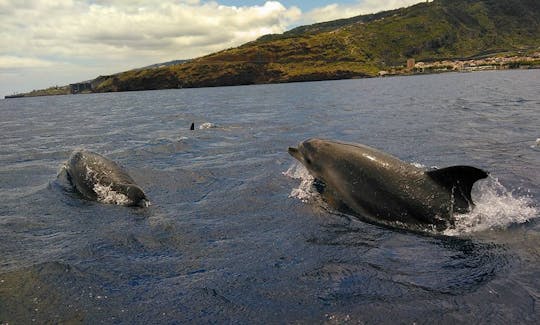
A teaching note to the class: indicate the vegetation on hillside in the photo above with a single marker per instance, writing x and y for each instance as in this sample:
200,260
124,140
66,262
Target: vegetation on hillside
355,47
51,91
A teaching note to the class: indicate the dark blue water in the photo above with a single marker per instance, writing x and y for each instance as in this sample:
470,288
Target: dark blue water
235,234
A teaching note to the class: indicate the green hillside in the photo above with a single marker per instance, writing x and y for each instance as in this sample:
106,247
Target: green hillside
355,47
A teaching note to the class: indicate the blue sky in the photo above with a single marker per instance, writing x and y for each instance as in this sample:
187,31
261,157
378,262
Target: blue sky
57,42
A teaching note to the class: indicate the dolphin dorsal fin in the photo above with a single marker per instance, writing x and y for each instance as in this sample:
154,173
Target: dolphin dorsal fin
458,179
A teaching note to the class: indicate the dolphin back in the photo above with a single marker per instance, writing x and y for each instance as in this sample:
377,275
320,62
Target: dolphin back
459,181
99,178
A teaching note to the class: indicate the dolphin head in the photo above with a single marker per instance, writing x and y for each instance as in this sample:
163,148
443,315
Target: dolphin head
312,153
136,195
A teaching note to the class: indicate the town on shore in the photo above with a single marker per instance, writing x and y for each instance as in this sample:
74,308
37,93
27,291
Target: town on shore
469,65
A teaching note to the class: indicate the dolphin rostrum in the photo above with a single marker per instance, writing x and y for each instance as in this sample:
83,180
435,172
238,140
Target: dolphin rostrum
381,188
101,179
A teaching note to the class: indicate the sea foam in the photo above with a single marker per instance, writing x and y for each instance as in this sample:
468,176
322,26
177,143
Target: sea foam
305,191
106,194
496,207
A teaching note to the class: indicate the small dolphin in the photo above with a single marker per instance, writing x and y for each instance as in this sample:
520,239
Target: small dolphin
381,188
101,179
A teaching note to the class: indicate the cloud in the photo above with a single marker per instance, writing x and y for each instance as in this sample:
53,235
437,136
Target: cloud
11,62
362,7
69,29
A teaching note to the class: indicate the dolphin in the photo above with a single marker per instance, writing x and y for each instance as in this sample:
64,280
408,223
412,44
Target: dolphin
364,181
101,179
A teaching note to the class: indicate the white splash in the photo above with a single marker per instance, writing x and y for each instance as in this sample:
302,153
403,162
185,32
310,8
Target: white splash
419,165
106,194
207,125
496,208
305,191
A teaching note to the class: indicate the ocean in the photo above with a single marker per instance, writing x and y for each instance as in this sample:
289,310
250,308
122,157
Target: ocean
236,233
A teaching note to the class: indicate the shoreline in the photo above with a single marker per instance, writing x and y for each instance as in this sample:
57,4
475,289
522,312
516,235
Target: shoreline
413,68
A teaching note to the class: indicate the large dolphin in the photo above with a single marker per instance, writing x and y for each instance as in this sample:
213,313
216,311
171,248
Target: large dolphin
365,181
101,179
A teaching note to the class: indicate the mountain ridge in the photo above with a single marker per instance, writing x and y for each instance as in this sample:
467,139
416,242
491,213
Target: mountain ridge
355,47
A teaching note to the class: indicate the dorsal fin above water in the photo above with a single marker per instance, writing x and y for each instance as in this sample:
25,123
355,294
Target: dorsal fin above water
458,179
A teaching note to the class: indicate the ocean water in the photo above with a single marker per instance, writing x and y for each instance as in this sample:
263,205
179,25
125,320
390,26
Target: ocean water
236,233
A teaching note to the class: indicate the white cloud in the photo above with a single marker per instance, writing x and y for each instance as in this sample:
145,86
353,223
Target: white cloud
361,7
8,62
149,30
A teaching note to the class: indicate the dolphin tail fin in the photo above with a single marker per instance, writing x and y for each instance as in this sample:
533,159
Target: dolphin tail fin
459,180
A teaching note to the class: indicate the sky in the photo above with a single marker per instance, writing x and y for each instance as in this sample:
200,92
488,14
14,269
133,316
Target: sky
45,43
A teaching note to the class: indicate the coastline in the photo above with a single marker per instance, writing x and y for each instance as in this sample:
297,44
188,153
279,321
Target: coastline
410,68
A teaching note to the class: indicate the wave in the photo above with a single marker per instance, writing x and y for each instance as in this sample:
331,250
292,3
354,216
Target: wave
496,208
305,192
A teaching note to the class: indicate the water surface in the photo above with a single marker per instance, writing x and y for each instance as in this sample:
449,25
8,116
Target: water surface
235,233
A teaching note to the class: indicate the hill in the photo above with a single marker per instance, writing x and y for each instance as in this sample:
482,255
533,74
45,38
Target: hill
355,47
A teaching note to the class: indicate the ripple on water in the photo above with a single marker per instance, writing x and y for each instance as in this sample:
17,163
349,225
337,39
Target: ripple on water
388,266
224,242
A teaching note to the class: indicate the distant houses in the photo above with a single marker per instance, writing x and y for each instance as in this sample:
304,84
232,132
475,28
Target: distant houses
410,64
531,61
80,87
